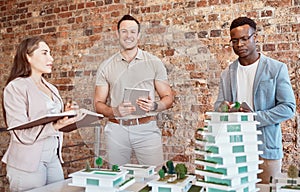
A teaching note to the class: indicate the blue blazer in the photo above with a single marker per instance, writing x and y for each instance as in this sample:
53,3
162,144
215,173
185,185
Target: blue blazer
274,100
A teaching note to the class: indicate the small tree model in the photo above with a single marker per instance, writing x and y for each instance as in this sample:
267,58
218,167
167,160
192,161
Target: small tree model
161,173
181,170
87,166
115,168
233,107
170,166
292,172
99,162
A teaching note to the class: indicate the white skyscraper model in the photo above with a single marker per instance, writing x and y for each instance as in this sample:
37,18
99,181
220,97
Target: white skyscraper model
228,151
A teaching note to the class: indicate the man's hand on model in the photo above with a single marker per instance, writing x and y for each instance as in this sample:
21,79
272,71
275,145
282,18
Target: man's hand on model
227,106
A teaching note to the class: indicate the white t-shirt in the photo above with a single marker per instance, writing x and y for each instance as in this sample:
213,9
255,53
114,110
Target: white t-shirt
245,80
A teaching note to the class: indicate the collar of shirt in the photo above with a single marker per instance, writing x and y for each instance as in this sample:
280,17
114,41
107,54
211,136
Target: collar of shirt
139,56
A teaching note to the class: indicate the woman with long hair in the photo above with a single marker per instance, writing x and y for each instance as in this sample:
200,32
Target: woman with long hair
33,157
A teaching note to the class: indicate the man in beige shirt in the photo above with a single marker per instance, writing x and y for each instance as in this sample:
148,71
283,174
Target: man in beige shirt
132,68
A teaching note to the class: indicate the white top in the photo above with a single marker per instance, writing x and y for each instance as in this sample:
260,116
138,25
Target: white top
245,80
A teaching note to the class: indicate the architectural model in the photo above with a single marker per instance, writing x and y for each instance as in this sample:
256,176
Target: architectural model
285,184
99,180
172,179
139,171
228,152
166,186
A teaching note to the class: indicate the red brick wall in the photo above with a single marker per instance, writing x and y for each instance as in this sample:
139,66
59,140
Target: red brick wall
191,37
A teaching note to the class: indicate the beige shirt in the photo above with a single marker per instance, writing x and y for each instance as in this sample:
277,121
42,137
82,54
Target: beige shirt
23,101
140,73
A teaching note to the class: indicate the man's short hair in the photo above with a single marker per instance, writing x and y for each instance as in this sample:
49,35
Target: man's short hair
129,17
242,21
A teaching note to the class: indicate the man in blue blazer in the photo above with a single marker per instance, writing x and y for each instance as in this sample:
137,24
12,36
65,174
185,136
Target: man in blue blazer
264,84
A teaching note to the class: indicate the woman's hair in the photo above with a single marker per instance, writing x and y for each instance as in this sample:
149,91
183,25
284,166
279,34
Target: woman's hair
21,67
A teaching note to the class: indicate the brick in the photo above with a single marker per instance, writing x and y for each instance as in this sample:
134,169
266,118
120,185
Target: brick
49,30
29,15
21,22
169,52
115,14
225,2
283,46
213,17
166,7
79,19
23,16
22,10
71,20
90,4
115,7
56,10
49,24
267,13
213,2
101,3
191,4
27,27
41,24
278,3
9,30
107,2
145,9
268,47
215,33
35,32
190,35
64,9
49,17
49,11
190,67
202,3
72,7
155,8
64,15
296,27
202,34
197,75
80,6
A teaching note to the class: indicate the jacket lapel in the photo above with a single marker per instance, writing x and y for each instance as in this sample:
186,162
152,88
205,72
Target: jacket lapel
233,79
259,73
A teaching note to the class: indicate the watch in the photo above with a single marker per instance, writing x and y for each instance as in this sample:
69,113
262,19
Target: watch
155,106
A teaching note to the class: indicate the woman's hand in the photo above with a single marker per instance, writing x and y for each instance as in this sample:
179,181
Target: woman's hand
64,122
71,105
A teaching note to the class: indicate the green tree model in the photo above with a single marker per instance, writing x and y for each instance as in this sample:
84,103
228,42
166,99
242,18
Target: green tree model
292,172
99,162
170,166
181,170
161,173
232,107
115,168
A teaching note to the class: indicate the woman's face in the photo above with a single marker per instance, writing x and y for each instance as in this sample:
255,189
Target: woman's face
41,60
